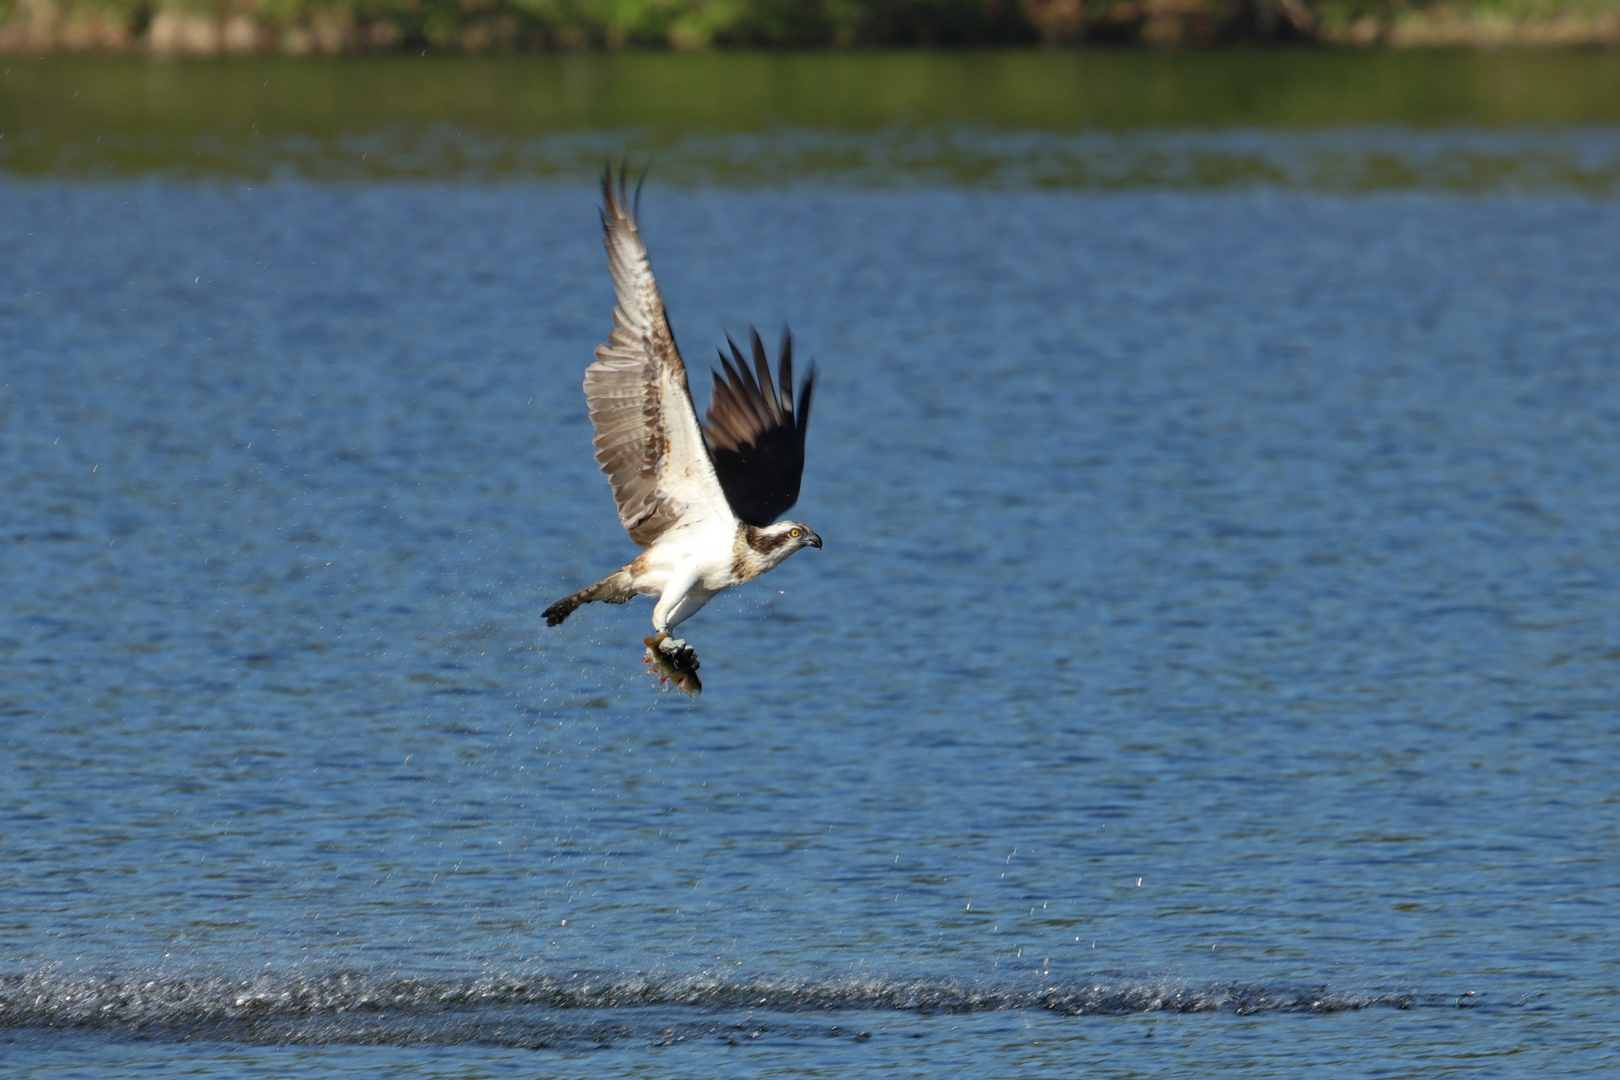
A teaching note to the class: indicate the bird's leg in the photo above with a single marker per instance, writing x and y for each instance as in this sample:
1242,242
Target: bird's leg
673,659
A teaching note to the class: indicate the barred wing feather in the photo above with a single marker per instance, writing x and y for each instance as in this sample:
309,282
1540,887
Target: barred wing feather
648,441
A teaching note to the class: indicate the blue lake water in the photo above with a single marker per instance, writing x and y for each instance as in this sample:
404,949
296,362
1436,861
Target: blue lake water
1210,669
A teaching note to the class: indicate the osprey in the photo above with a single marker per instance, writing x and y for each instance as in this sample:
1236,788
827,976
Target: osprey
700,497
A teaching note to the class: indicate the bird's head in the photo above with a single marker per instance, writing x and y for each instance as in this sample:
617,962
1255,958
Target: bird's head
777,542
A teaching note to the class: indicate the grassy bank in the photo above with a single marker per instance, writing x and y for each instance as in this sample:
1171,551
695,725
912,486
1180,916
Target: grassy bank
210,27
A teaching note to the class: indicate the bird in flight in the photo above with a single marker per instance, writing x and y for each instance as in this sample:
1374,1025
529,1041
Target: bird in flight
701,497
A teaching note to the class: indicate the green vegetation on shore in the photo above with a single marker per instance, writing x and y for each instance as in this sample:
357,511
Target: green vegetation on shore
1082,119
209,27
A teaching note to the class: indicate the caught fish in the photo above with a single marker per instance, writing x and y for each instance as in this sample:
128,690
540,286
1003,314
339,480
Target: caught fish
673,660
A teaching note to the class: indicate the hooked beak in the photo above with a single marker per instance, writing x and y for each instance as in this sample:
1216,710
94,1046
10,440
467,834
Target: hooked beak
811,539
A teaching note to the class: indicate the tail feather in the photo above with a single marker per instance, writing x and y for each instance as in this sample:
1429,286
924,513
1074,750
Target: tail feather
563,608
613,589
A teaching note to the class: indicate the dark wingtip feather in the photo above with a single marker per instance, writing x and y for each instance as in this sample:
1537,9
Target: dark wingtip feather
768,396
784,372
616,191
805,393
744,377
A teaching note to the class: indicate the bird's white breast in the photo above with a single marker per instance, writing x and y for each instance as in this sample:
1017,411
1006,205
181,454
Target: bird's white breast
698,551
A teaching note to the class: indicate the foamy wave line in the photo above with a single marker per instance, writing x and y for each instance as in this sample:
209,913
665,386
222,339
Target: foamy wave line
52,998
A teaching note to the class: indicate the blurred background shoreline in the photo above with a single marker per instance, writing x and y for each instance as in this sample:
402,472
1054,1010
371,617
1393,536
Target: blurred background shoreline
1514,121
301,27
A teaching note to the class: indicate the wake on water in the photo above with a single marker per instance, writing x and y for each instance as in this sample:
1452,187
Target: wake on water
582,1008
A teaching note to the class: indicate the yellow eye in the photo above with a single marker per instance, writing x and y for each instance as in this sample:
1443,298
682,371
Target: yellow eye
795,533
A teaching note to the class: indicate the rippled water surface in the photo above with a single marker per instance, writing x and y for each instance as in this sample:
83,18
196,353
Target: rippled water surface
1210,669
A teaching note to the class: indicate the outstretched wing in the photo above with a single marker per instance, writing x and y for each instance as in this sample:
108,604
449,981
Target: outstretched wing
755,433
648,441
